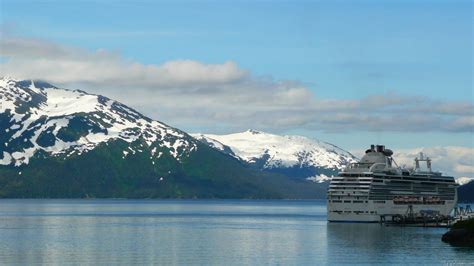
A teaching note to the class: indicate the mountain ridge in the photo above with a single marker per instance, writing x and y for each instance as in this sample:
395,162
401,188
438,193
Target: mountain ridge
62,143
294,156
466,192
55,110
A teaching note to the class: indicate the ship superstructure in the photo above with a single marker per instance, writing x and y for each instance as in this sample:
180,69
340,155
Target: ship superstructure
377,186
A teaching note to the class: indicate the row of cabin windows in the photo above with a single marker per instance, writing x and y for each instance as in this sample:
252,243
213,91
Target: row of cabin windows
398,177
352,179
437,180
356,212
356,197
347,182
356,175
348,188
355,201
348,201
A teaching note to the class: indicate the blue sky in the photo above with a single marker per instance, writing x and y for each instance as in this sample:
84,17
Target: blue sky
336,49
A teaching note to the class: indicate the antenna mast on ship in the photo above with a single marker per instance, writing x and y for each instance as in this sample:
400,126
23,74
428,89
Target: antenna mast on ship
422,159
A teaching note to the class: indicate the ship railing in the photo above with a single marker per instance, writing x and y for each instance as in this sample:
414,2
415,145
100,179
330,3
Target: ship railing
356,173
357,166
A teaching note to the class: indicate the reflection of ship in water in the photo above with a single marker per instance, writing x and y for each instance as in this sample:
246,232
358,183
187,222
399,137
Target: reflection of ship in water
370,243
376,186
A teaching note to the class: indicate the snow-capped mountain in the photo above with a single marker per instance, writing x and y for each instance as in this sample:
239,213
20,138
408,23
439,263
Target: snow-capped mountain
36,116
463,180
274,152
67,143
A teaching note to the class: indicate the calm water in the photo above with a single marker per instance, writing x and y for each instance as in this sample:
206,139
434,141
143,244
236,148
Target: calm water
206,233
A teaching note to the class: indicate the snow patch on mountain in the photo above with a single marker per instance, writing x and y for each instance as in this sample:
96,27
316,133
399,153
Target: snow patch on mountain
464,180
280,151
65,102
320,178
6,160
209,141
215,144
40,116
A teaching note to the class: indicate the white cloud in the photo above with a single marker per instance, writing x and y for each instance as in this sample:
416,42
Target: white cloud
454,160
462,168
38,59
195,95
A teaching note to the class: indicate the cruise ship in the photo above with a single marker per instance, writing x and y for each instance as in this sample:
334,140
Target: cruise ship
376,186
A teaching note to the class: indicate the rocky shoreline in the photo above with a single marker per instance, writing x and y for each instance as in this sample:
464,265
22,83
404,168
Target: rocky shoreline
461,234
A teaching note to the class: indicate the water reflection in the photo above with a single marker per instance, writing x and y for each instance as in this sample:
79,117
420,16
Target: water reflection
203,232
380,244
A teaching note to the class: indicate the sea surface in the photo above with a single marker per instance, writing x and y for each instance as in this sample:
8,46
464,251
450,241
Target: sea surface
207,232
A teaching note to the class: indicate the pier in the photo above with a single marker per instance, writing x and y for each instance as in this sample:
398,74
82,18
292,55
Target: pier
463,213
427,218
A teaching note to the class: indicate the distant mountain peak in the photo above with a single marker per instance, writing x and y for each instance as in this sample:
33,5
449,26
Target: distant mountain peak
276,152
464,180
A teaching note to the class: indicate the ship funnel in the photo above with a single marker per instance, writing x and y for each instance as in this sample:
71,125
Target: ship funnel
372,149
388,152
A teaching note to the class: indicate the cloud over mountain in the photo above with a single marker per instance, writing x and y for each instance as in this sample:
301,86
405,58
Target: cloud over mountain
40,59
196,95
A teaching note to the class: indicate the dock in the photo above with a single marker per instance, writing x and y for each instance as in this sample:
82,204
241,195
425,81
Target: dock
427,218
463,213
